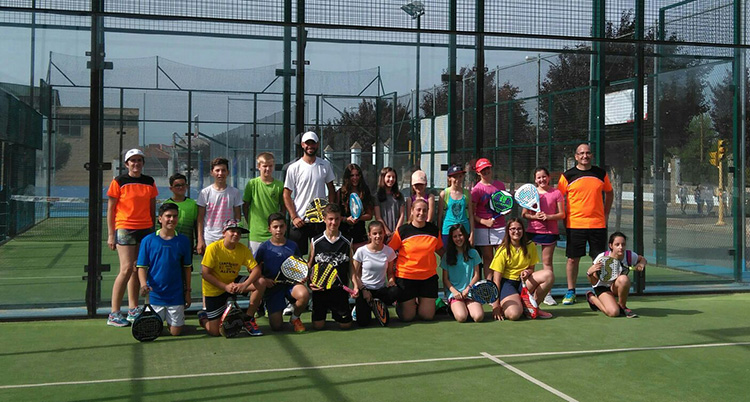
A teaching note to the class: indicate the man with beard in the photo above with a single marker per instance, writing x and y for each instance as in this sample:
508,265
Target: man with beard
308,178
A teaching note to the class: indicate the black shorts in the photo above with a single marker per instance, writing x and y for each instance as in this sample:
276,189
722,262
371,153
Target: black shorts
602,289
412,288
578,238
215,305
336,300
302,236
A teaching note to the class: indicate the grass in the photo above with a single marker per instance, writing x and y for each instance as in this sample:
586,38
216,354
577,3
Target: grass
286,366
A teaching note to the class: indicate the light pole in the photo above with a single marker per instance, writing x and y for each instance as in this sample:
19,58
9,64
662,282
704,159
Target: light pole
538,59
415,9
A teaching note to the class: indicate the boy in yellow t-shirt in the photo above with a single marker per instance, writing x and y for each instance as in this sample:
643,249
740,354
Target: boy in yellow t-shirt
221,266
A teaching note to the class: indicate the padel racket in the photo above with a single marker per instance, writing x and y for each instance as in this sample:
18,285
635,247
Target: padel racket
528,197
148,325
355,205
232,322
293,270
314,211
484,292
380,311
325,276
501,203
530,306
611,269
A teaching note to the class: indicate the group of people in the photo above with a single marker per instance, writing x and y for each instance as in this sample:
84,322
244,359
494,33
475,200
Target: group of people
390,251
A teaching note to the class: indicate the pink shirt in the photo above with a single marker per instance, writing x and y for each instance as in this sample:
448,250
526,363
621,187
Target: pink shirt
480,196
548,204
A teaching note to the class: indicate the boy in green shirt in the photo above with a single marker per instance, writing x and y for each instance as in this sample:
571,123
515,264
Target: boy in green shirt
187,221
263,196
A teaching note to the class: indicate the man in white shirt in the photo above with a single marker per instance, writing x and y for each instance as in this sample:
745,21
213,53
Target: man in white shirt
308,178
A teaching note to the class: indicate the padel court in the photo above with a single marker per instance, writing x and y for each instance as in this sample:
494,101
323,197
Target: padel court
681,348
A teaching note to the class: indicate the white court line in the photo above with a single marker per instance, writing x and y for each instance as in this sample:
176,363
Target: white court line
529,378
365,364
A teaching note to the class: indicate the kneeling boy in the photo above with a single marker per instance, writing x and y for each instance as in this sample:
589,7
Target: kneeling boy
220,269
270,255
165,260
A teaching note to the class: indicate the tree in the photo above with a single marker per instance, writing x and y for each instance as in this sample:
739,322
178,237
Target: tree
62,152
508,115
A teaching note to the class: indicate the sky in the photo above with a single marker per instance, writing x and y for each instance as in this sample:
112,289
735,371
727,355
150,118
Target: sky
397,63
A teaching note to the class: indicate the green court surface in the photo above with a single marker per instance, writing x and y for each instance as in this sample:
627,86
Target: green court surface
50,273
682,348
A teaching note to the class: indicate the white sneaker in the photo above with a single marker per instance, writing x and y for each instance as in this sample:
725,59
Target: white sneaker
288,310
549,300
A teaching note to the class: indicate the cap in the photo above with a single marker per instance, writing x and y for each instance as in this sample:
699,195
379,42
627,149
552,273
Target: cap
481,164
133,152
233,224
419,177
455,169
309,136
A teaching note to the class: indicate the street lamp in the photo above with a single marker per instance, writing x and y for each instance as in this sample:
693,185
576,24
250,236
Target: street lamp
538,59
415,9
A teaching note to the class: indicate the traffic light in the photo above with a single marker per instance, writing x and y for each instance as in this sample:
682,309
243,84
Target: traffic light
721,149
712,158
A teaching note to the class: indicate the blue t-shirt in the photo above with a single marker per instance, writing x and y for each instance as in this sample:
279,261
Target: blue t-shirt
461,273
165,260
271,256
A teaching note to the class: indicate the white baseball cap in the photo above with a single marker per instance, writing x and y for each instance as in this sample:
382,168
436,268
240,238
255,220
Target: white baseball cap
133,152
309,136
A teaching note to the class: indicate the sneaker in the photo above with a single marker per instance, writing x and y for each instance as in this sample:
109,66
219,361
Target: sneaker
202,318
298,326
116,319
570,298
628,313
252,328
133,313
549,300
288,310
354,314
543,314
261,310
592,306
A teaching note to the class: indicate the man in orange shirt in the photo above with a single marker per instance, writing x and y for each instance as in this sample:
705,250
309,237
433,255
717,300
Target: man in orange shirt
586,213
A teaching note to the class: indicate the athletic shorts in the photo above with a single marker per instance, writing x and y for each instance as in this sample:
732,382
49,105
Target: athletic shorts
578,238
131,237
172,315
336,300
543,239
215,305
488,236
602,289
509,287
412,288
277,297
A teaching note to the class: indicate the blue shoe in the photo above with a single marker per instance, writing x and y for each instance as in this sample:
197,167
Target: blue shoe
252,328
570,298
133,313
116,319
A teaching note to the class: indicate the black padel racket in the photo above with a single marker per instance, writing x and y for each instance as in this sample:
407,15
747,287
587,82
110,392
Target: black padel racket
232,321
148,325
